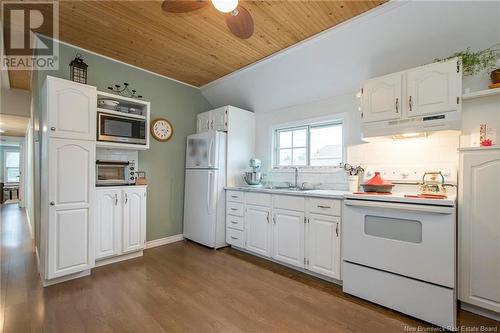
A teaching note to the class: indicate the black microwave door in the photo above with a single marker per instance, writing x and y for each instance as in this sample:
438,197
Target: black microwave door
113,128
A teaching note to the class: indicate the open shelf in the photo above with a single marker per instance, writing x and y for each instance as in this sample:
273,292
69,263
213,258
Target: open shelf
481,93
119,113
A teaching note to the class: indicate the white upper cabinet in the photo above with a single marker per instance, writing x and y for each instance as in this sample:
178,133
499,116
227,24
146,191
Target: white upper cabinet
288,236
382,98
219,119
434,88
70,197
215,120
134,219
323,239
108,222
479,229
258,231
71,109
203,122
422,91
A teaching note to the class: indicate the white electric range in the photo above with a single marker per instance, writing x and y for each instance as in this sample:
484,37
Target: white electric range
400,252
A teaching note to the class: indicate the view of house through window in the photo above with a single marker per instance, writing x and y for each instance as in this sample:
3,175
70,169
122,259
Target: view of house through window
11,170
309,145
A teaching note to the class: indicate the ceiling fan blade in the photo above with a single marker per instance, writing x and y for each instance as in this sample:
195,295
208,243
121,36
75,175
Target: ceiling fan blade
182,6
240,23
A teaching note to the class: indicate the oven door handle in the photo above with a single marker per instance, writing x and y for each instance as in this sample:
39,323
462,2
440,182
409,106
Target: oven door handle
400,206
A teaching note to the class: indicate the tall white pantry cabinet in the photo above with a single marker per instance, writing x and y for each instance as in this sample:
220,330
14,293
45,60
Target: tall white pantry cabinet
68,116
479,229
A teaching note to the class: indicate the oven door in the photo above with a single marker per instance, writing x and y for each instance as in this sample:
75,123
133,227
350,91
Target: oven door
412,240
115,128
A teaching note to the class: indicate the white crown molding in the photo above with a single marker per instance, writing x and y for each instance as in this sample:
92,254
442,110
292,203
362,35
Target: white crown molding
368,15
164,241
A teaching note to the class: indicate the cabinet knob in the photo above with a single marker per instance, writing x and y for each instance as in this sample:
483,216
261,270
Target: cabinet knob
52,203
52,128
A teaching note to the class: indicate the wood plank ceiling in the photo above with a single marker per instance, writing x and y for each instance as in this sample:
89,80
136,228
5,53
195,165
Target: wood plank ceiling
195,47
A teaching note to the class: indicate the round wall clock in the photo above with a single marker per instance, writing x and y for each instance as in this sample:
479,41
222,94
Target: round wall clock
161,129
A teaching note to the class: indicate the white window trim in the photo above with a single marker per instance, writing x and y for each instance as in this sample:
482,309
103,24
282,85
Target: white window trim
5,179
339,117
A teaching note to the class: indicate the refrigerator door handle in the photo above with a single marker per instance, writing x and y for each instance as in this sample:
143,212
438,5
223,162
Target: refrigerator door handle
210,150
209,193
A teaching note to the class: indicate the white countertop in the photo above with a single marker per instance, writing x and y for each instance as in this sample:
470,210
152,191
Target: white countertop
311,193
332,194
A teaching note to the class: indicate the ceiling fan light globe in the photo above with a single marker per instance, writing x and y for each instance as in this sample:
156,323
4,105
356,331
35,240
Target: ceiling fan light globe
225,6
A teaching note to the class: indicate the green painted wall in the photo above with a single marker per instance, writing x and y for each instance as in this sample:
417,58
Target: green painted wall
163,162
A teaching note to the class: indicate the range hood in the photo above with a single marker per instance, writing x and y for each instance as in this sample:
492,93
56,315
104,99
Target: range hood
432,123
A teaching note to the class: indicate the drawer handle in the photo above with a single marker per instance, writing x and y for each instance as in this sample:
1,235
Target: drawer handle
232,237
234,208
234,222
234,196
321,206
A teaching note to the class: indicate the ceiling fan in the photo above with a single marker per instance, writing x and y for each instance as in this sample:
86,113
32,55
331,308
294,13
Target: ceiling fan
238,19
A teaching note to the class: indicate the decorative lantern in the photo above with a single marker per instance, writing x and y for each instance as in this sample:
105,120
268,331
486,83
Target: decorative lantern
78,70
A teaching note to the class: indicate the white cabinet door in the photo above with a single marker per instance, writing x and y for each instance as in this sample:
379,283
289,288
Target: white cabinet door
71,110
71,168
323,245
433,89
382,97
108,222
288,237
134,219
203,122
479,222
258,230
218,121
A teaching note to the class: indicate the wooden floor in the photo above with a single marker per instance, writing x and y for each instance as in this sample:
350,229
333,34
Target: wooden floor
181,287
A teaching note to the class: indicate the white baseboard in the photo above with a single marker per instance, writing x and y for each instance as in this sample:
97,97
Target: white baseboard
112,260
29,223
50,282
480,311
164,241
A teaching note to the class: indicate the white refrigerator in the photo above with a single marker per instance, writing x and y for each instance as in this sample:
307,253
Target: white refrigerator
204,204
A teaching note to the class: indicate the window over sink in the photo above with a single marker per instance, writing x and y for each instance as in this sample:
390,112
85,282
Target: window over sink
310,145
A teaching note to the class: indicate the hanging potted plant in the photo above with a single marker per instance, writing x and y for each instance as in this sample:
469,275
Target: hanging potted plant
478,62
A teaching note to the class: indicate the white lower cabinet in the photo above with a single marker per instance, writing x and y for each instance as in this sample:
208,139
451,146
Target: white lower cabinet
108,226
288,237
285,229
258,229
120,221
323,240
134,219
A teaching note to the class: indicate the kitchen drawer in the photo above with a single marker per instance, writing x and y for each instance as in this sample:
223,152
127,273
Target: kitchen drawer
235,237
419,299
259,199
235,196
289,202
235,208
235,222
324,206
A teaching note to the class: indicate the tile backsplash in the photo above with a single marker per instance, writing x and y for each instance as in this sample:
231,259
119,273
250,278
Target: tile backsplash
405,159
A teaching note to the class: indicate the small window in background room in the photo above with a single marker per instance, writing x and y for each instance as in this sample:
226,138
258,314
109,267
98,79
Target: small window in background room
11,170
309,145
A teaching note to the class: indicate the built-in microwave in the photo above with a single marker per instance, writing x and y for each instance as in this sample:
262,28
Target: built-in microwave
121,128
109,173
